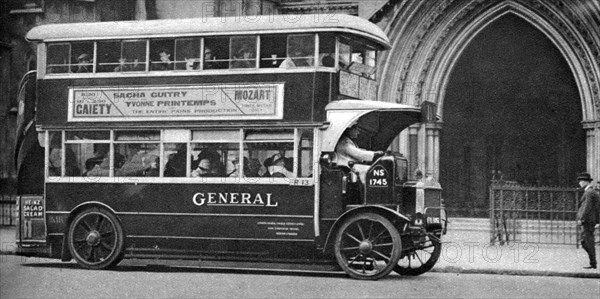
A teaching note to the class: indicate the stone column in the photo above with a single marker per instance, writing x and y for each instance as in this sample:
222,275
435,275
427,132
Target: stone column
432,133
592,134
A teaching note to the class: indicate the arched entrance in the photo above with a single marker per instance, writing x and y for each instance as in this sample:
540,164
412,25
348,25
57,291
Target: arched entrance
511,112
428,40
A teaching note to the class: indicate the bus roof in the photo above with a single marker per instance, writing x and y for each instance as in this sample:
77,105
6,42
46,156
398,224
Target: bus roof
261,24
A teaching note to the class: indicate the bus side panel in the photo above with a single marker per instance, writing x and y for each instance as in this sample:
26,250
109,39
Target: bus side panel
301,91
227,211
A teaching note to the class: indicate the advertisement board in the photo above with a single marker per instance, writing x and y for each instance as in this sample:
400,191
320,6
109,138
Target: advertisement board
183,102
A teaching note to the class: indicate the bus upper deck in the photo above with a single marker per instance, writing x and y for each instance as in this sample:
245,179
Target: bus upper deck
211,69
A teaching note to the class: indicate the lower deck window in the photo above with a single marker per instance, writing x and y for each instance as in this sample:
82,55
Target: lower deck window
238,154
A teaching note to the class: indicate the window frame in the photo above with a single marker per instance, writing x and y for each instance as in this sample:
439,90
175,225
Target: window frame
103,69
188,140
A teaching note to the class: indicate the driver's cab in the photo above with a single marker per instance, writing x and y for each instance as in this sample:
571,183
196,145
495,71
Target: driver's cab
379,123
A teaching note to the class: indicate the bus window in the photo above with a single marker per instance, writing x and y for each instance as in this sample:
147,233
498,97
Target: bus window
55,154
215,153
108,56
187,54
370,57
82,57
161,55
215,159
305,155
219,53
175,157
273,149
243,52
272,50
133,57
327,50
139,152
90,151
125,56
344,54
58,58
300,51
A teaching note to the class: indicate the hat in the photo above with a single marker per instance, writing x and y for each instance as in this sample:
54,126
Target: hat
83,56
584,176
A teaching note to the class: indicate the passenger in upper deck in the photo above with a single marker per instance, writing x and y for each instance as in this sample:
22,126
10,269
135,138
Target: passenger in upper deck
125,66
209,62
84,64
297,59
347,151
164,62
243,59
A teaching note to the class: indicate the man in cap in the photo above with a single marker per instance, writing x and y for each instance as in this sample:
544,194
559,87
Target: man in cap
348,151
83,64
588,216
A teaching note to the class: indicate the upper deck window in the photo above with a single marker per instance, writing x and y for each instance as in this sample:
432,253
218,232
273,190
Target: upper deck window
70,58
161,55
59,56
208,53
187,53
243,52
216,53
300,51
122,56
327,50
357,57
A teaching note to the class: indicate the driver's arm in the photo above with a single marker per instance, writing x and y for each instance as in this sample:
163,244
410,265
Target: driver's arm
348,148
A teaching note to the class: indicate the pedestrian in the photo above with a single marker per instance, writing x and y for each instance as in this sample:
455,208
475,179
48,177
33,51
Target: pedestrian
588,217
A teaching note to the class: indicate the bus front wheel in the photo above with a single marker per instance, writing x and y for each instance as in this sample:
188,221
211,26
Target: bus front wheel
96,239
421,259
367,246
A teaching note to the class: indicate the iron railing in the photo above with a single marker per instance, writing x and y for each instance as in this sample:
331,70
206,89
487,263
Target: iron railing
8,210
543,215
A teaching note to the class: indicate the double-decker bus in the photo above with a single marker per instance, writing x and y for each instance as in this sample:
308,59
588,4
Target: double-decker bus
215,139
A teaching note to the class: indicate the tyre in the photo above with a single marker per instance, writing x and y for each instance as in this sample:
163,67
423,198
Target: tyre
96,239
367,246
422,259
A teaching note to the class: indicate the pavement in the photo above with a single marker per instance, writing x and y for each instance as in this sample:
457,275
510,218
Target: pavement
469,251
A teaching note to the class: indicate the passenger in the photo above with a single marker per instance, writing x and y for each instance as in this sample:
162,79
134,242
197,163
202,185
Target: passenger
214,157
328,60
297,59
252,170
152,170
125,66
84,64
176,164
277,167
165,61
347,151
209,59
204,169
55,164
243,59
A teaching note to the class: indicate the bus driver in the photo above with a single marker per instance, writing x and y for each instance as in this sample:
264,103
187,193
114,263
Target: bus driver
347,151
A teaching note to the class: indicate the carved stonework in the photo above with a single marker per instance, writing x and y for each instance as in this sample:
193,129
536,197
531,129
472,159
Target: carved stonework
436,23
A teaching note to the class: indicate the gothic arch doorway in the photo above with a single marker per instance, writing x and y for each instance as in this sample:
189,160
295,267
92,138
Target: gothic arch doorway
512,111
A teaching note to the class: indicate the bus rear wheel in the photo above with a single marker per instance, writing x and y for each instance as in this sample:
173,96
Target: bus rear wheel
367,246
96,239
422,259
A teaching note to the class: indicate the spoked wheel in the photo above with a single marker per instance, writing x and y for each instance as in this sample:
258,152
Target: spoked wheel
96,239
422,259
367,246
